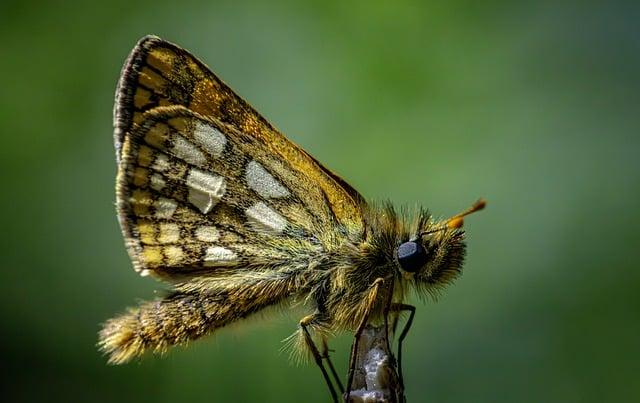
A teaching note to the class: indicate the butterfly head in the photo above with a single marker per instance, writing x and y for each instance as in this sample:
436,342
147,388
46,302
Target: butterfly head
435,255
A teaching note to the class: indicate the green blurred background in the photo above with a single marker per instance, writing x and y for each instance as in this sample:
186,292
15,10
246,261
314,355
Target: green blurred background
533,105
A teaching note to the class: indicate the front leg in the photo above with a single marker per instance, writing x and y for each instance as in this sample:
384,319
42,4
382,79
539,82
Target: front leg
405,330
325,355
305,322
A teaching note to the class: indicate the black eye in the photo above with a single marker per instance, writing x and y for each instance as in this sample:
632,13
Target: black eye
411,256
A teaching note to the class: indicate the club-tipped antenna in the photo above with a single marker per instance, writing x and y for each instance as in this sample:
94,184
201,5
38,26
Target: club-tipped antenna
457,220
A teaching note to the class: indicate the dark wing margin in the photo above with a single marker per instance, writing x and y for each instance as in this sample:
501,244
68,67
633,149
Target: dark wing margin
123,106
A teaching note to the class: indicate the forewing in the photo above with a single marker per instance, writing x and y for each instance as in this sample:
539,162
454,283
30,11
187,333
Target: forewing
158,73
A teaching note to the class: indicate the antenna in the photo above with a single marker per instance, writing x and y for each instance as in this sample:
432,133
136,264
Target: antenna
457,220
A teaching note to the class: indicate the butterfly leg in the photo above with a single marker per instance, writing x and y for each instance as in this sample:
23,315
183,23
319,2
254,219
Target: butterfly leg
325,355
412,311
304,323
371,299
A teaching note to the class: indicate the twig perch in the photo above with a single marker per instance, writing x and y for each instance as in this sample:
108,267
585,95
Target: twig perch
376,375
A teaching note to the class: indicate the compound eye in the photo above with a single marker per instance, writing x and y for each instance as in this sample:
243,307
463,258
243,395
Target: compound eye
411,256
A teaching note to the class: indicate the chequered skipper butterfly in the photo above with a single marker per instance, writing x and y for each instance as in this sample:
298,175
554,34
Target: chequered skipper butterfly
214,200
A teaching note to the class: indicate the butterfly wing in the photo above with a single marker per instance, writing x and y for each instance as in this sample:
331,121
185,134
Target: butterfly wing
206,183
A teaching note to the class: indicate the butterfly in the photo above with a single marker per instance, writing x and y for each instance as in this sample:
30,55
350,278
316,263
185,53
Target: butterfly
217,203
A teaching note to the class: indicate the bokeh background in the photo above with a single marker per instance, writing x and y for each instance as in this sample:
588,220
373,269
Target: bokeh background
534,105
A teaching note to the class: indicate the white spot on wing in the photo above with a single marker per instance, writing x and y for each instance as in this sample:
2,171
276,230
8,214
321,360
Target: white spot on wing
264,218
187,151
169,233
165,207
207,233
161,163
218,256
209,138
263,182
205,189
174,254
157,182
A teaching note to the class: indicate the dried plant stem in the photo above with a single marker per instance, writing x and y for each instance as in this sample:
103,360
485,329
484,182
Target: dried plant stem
376,375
